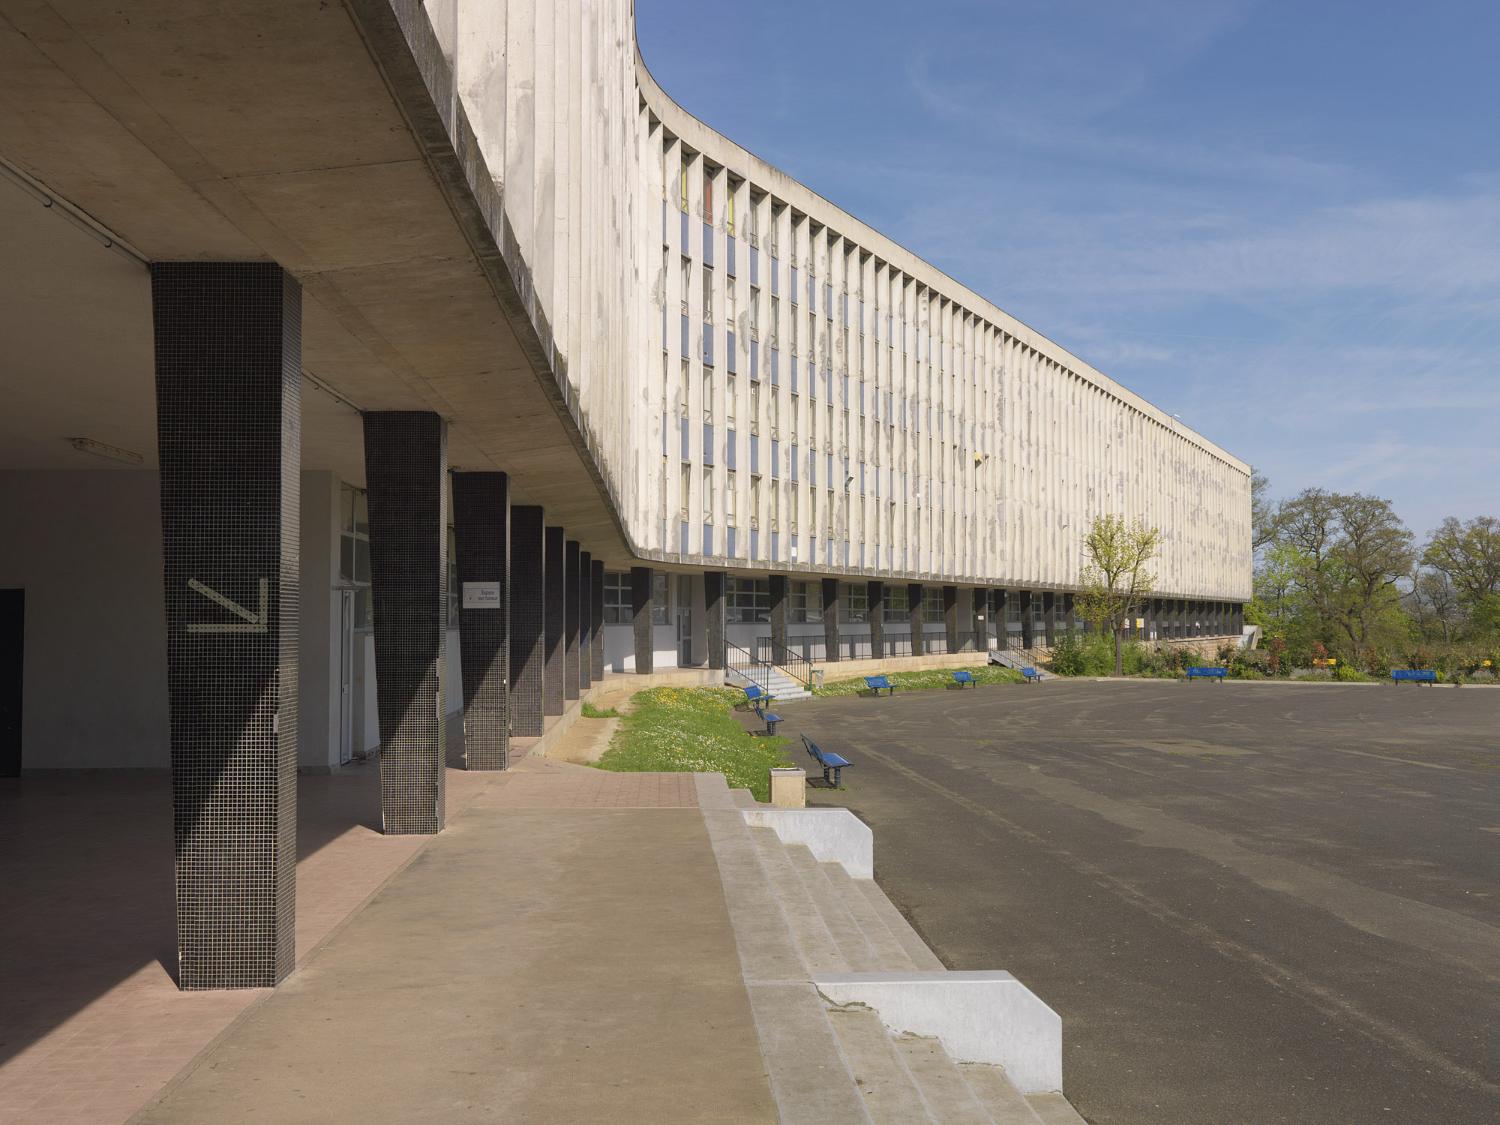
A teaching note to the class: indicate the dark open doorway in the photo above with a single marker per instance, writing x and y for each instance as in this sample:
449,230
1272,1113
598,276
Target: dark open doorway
12,650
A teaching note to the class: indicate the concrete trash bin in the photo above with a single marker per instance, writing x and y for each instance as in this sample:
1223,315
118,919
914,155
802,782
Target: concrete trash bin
789,788
817,677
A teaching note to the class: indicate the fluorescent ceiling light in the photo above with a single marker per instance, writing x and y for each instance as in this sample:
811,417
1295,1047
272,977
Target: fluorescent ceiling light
100,449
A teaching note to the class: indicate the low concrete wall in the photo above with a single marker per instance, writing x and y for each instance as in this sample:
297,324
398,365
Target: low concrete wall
832,835
980,1017
851,669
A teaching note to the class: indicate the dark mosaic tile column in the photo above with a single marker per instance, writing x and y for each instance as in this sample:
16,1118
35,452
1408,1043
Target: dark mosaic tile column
831,606
778,616
979,618
406,472
596,615
950,616
640,609
914,613
1000,615
228,410
875,601
481,531
1070,615
571,619
1237,620
1049,617
585,620
554,642
715,606
1028,626
527,621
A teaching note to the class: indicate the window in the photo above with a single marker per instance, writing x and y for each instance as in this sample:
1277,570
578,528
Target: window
682,192
730,394
932,605
855,602
708,196
708,295
687,488
731,498
897,607
729,220
687,279
354,550
805,602
748,601
708,395
617,598
755,408
660,599
708,495
754,314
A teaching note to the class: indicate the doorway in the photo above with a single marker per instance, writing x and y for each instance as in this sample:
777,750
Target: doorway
12,649
684,620
346,677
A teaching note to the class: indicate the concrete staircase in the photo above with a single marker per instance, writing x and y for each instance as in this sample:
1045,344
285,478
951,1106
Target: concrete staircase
1019,658
799,921
782,686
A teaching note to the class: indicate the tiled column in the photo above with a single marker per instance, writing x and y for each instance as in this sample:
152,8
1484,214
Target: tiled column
875,601
572,619
481,532
950,616
1070,618
714,607
554,640
914,613
406,472
527,621
585,620
640,607
1028,625
831,607
228,408
1237,620
979,613
1000,612
596,634
778,617
1049,618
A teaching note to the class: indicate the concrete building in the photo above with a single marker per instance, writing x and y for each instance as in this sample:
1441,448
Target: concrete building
363,365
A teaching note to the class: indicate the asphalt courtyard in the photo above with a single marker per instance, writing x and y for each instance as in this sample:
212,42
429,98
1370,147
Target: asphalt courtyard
1250,903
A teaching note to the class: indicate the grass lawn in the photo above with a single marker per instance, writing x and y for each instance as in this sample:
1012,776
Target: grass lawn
677,730
929,679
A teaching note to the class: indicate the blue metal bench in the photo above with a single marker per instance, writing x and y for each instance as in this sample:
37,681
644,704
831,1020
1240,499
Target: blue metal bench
879,683
964,676
1031,675
830,762
760,699
1414,675
1217,674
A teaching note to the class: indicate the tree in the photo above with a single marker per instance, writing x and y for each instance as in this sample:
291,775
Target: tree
1435,602
1265,517
1354,549
1116,578
1468,554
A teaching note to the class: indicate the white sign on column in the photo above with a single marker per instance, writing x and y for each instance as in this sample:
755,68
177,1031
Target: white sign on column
481,595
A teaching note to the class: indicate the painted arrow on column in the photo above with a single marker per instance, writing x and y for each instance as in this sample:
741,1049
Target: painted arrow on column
249,623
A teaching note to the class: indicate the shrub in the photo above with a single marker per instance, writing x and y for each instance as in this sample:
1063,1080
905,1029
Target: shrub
1349,674
1094,655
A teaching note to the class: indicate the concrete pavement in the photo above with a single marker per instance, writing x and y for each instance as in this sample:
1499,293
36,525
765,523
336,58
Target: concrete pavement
1248,902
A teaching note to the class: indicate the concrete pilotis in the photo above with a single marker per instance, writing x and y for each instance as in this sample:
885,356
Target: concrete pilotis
1049,617
1028,624
979,612
585,620
715,607
832,604
914,612
640,617
228,412
1000,614
596,614
554,637
778,616
481,533
527,621
406,472
1070,618
572,619
875,603
950,616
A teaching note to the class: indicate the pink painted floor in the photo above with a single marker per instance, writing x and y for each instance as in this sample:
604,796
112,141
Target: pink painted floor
91,1023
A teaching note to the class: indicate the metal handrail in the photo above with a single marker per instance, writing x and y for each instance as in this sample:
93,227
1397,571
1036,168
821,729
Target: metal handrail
795,665
738,660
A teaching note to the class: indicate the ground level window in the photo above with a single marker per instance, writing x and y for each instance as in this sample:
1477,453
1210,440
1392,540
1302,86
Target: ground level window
617,598
856,603
805,603
897,605
932,605
748,601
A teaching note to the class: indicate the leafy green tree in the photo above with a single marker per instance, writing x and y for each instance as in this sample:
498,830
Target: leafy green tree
1468,555
1116,575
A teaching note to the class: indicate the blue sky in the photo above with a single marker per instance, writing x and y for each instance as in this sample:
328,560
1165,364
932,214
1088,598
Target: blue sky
1280,221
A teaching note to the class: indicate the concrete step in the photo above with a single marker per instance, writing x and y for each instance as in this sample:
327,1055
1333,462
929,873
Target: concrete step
921,957
891,1096
743,798
949,1098
847,934
1054,1109
1006,1104
810,933
888,952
